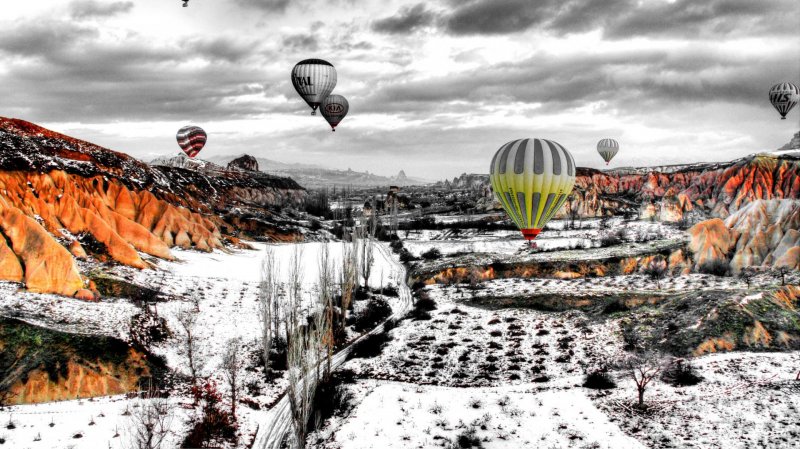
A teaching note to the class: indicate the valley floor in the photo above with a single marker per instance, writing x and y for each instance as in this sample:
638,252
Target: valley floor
485,369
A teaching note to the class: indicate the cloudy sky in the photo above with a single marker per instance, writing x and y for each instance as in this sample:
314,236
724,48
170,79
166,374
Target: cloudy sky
435,87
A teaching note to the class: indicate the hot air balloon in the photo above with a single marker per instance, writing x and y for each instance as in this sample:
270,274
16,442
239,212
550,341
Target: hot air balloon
607,148
334,108
314,79
191,139
532,179
784,96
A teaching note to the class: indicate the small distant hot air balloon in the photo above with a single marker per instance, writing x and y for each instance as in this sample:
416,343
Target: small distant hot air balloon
532,179
314,79
334,108
191,139
607,148
784,96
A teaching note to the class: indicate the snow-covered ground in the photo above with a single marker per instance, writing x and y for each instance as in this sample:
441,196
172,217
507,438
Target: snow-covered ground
97,423
222,284
556,236
593,286
539,359
397,415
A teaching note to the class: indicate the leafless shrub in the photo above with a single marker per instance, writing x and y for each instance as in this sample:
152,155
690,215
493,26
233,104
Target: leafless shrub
149,422
231,365
269,307
188,321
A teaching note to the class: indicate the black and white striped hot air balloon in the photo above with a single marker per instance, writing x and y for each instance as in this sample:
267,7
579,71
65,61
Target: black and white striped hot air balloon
314,80
784,96
191,139
607,148
334,108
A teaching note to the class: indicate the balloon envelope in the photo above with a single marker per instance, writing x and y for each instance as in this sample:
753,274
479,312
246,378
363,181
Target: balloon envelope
334,108
191,139
314,79
607,148
532,179
784,96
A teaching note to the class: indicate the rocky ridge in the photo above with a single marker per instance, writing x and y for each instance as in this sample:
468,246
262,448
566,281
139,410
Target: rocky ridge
62,198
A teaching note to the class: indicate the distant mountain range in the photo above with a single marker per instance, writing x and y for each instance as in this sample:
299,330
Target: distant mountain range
313,176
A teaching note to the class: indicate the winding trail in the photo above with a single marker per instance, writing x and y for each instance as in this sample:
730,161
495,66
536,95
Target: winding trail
277,423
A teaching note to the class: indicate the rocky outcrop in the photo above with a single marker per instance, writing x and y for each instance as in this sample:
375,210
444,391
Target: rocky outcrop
62,198
672,193
245,162
46,365
762,233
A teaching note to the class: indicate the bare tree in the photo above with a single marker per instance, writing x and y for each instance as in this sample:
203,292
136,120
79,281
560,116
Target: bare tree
269,306
367,234
348,280
188,321
326,293
292,307
149,422
231,364
746,275
781,272
306,347
642,368
656,269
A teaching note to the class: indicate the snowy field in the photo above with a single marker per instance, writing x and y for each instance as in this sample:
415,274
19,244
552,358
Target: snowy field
555,237
396,415
219,288
539,359
97,423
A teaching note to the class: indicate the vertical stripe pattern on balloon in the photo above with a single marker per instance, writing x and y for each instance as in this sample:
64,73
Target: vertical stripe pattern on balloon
532,179
784,97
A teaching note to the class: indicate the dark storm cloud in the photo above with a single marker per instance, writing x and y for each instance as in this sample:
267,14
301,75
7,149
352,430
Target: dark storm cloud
84,9
622,18
687,18
42,38
629,80
496,16
265,5
301,42
405,21
75,74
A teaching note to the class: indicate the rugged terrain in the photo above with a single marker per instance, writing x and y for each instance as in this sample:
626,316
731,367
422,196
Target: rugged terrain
63,199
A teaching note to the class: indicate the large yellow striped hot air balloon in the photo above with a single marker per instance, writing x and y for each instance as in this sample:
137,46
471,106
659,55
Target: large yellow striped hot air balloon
532,179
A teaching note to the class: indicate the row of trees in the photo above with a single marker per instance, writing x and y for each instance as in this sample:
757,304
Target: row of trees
311,333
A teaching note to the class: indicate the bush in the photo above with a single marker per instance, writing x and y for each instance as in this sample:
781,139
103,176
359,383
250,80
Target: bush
612,238
216,424
406,256
377,310
422,306
391,290
425,303
370,346
714,267
599,380
681,373
432,254
333,398
396,245
467,439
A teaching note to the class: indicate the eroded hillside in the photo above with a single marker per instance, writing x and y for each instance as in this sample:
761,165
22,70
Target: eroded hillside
63,198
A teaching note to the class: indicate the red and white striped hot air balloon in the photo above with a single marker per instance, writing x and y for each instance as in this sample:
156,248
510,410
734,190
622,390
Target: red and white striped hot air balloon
191,139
